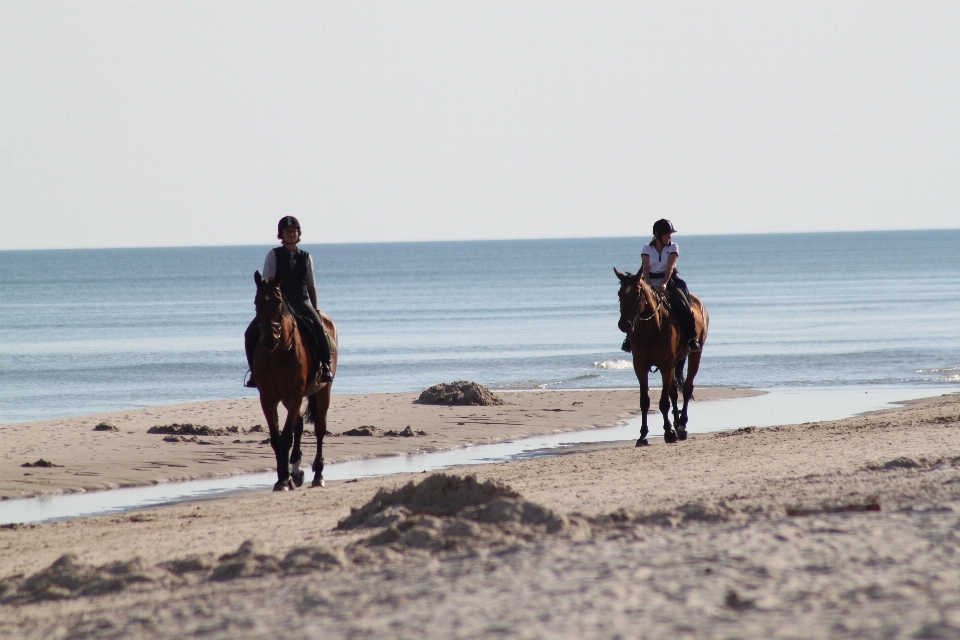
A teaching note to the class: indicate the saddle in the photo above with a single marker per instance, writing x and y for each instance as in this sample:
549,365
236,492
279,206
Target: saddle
312,337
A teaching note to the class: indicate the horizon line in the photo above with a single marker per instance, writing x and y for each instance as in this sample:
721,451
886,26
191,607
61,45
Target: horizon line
541,239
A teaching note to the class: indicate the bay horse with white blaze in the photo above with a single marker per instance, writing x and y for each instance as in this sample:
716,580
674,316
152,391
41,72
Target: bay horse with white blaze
282,366
656,340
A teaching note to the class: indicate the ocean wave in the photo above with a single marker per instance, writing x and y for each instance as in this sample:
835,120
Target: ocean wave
953,378
613,364
942,370
588,376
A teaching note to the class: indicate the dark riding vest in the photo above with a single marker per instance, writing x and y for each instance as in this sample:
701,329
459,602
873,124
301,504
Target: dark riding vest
293,273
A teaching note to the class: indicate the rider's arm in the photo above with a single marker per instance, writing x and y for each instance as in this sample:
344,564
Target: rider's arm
668,272
645,269
311,283
270,265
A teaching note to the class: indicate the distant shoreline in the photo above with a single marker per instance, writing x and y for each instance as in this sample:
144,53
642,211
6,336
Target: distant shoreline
91,460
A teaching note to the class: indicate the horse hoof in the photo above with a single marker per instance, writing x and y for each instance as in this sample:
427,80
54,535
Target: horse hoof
669,437
642,442
681,434
283,485
318,482
297,478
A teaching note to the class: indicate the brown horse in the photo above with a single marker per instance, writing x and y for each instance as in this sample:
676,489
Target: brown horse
281,366
656,341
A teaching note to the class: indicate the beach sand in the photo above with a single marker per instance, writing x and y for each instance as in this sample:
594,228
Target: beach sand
848,528
88,459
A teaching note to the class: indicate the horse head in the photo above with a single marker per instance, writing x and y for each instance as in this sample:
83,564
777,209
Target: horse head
269,304
636,300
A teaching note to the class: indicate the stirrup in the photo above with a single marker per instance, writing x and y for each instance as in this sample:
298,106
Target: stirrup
626,345
693,345
326,375
250,383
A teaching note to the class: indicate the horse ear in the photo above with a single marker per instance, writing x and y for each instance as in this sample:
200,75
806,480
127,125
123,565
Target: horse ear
257,278
620,276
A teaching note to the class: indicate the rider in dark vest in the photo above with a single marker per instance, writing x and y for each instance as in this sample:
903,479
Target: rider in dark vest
299,292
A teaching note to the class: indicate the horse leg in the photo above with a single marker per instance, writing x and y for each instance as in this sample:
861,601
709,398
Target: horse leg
679,417
667,376
688,386
273,423
322,398
674,397
644,403
296,456
282,442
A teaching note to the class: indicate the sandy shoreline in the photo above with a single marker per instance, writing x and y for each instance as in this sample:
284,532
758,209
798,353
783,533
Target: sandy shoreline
846,528
90,460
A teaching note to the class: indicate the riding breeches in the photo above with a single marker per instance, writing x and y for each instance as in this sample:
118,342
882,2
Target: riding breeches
305,312
679,297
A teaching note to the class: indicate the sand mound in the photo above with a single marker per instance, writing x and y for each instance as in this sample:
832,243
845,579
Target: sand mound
106,426
188,429
449,512
41,463
69,578
697,512
459,393
437,495
406,433
363,430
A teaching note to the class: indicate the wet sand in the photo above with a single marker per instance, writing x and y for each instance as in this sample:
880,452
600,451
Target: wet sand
87,459
847,528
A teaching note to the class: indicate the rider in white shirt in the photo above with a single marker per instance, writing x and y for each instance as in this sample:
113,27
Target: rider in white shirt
660,272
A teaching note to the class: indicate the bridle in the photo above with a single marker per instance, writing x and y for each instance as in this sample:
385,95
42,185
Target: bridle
640,304
277,329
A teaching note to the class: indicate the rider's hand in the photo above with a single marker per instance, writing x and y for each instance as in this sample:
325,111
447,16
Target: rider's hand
662,287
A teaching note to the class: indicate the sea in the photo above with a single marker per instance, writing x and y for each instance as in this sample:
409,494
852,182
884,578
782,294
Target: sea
96,330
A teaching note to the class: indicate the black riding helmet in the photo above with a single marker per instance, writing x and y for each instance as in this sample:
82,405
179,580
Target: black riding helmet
286,221
662,226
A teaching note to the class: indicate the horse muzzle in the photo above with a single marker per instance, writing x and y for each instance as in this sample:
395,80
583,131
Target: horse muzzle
270,335
625,325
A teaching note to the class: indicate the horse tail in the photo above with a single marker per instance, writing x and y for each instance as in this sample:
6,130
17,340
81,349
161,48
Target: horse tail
310,415
678,378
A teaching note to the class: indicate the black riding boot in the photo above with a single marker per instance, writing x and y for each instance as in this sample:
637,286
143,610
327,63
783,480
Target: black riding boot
321,347
680,303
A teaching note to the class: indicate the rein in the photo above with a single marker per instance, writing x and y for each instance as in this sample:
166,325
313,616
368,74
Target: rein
653,313
284,310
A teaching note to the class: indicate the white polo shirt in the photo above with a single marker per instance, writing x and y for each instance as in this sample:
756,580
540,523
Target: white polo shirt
270,268
658,260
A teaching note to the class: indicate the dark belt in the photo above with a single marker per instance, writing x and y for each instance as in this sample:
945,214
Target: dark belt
657,275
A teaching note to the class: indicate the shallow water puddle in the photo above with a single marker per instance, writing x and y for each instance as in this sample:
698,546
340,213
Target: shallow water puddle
775,408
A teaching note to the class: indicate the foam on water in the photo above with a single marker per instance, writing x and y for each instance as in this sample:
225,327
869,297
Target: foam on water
614,364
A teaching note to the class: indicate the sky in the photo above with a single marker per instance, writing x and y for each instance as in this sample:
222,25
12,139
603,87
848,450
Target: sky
166,123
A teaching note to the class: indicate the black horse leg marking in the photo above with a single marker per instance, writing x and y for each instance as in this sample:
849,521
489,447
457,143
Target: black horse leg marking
674,401
644,407
668,435
318,461
320,429
281,447
296,456
679,416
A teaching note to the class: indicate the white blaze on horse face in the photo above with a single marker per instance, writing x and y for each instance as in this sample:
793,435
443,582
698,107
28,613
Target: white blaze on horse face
629,289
